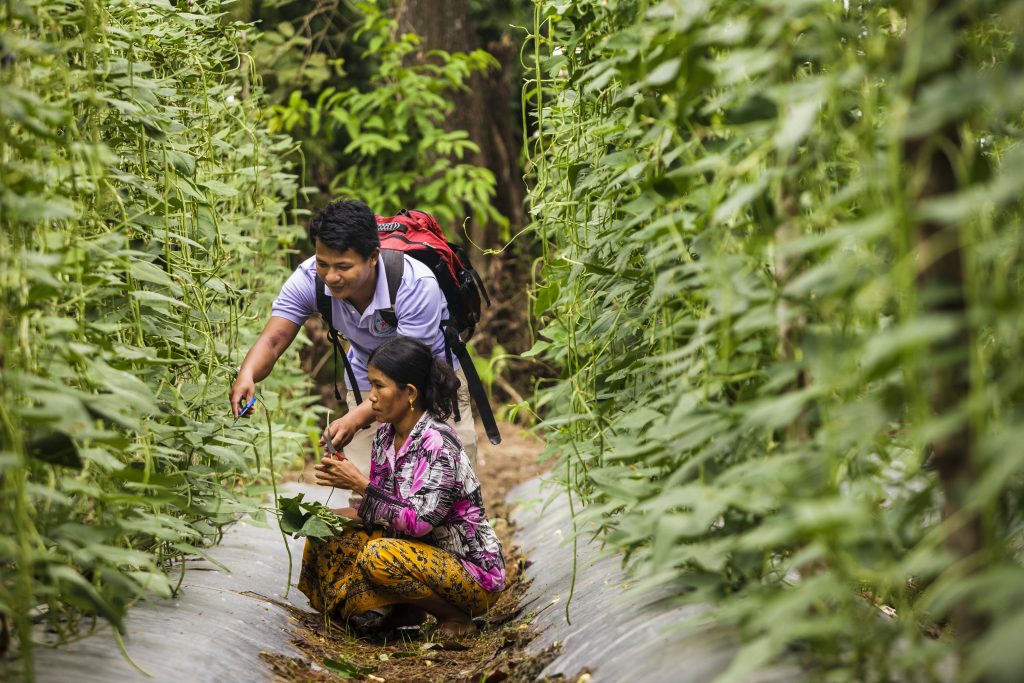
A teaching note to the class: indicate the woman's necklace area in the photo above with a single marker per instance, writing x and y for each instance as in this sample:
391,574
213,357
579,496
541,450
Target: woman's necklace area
403,431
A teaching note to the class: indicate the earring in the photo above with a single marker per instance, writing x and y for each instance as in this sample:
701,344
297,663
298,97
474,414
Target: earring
411,406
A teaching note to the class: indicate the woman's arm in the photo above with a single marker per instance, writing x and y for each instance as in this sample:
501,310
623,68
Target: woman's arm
422,500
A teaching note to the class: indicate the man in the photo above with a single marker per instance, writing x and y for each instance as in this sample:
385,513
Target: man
348,261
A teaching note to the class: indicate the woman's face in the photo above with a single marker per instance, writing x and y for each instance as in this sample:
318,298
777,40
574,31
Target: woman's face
390,403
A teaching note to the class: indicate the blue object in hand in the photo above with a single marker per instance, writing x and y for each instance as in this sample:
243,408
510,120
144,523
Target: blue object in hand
244,410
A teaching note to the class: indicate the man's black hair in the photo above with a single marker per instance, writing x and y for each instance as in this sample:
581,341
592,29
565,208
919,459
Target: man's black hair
346,224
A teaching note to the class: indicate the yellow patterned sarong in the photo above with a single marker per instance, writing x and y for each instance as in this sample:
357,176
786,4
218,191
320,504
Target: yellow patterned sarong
358,571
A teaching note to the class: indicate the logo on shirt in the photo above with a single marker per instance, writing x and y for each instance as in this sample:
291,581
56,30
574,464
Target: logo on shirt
380,328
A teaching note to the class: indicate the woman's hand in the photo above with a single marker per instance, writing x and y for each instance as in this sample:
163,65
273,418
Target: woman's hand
340,473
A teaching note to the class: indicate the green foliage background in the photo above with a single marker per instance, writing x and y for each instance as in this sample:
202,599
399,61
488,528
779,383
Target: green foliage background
145,223
149,199
732,288
370,117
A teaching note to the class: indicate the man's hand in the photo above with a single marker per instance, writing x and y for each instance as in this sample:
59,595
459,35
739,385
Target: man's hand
276,336
241,391
344,428
340,473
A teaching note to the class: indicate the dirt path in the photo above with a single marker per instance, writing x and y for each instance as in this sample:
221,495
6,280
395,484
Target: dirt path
497,653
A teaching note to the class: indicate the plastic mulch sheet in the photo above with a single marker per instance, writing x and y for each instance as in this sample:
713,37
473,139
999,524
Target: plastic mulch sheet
615,634
216,627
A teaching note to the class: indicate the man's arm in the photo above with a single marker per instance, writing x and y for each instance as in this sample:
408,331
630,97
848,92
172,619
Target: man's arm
344,428
275,338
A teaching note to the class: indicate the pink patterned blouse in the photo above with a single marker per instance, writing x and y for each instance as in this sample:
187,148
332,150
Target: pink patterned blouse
428,490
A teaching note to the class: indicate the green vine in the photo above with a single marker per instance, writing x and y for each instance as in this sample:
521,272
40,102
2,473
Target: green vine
742,221
143,217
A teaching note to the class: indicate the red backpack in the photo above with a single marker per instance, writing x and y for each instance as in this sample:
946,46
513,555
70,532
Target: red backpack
417,234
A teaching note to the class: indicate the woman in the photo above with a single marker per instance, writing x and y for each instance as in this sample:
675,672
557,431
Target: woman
427,545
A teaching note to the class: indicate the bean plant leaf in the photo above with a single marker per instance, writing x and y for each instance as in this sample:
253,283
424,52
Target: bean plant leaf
345,669
121,309
785,324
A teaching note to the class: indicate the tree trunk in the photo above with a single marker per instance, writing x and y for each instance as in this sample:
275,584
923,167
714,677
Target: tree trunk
941,286
485,111
791,325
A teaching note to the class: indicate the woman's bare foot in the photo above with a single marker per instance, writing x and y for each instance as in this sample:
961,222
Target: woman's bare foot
455,629
405,615
452,622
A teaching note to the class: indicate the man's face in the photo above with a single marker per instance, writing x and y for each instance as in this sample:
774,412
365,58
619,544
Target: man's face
347,274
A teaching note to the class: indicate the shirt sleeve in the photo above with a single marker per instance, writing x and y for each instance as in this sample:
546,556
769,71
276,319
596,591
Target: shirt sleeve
297,299
423,500
419,307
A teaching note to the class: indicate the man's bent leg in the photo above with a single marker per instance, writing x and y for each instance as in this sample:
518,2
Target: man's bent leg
358,449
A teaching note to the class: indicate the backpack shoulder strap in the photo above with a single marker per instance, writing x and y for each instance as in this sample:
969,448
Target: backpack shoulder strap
453,343
394,268
325,307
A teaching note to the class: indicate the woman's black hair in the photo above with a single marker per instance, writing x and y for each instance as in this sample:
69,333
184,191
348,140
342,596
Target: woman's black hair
409,361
